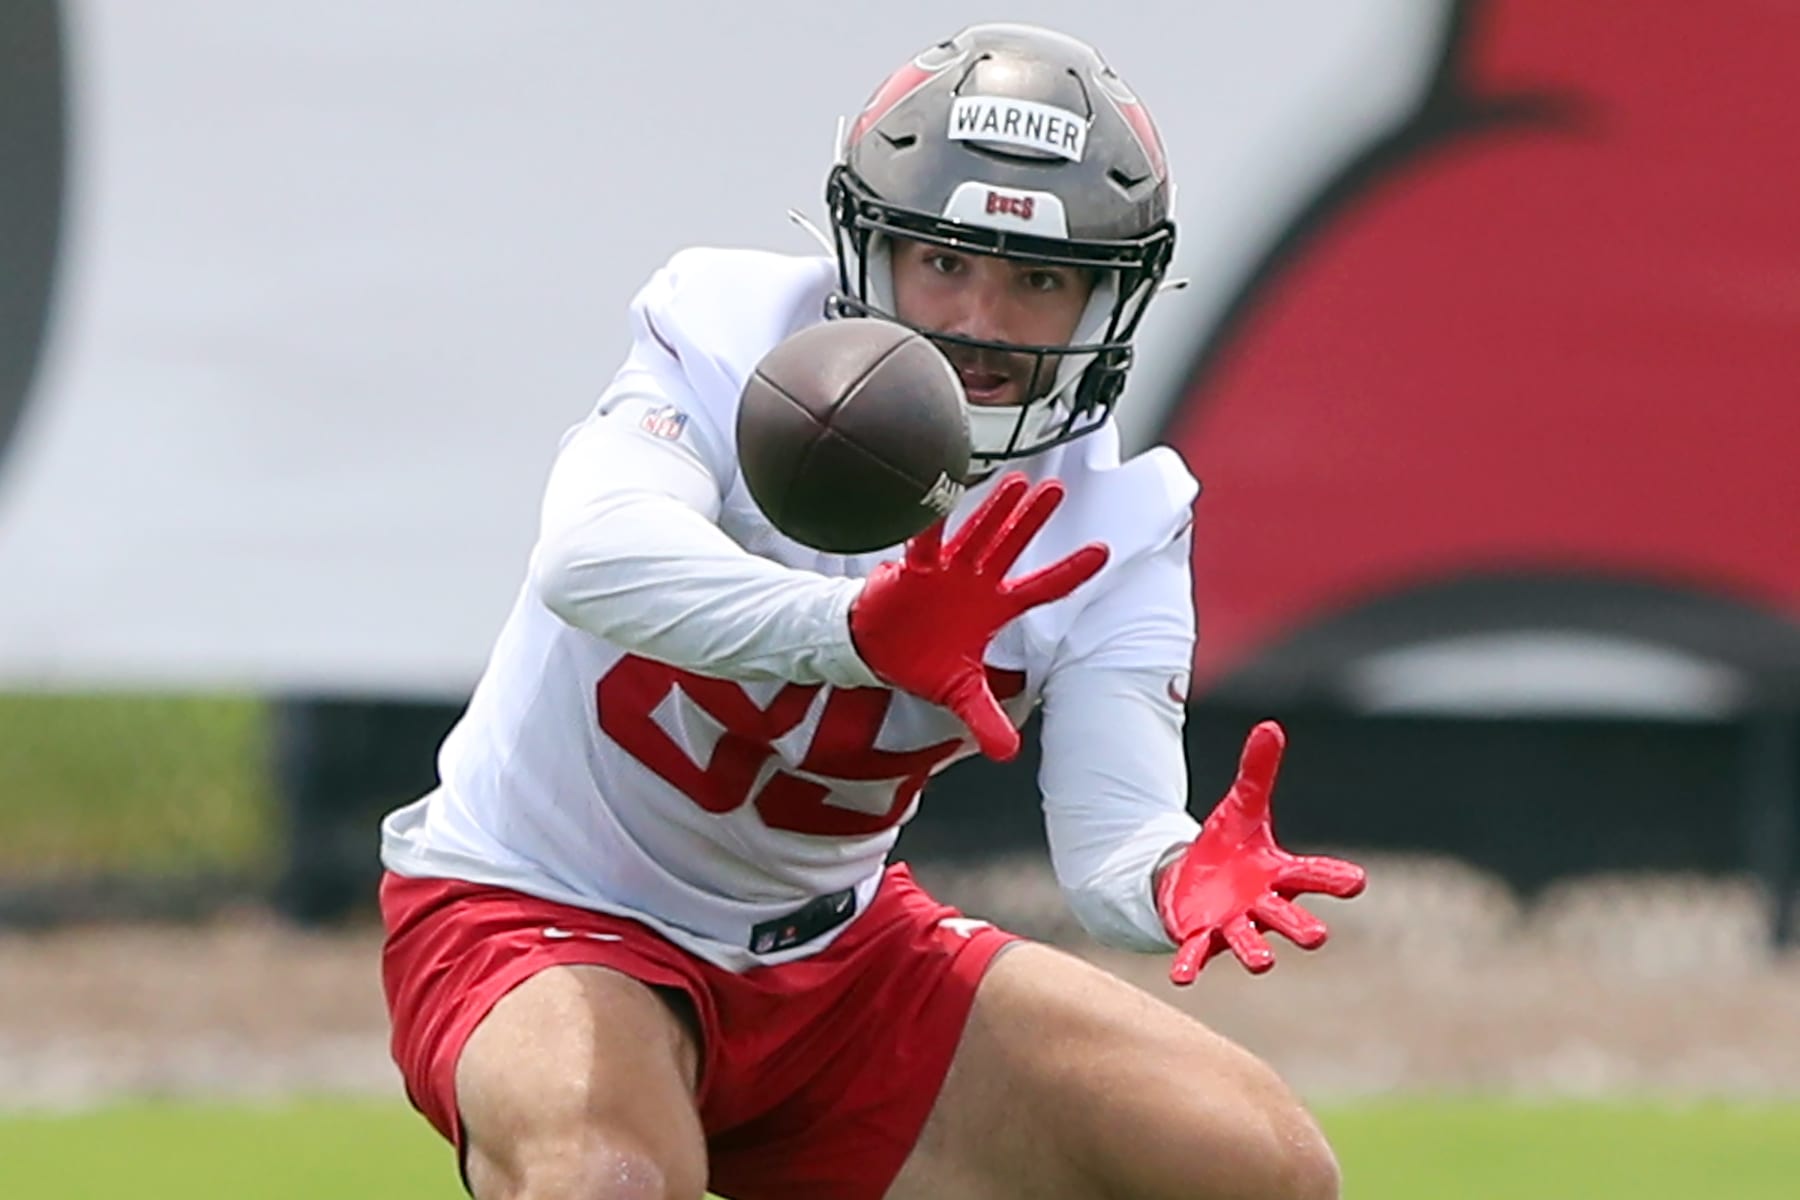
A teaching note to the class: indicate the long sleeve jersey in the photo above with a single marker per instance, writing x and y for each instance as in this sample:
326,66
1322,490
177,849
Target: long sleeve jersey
674,724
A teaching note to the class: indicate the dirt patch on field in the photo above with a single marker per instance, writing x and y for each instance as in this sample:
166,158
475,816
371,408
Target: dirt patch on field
1438,979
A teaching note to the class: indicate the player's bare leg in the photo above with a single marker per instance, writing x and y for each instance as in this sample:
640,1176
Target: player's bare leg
579,1085
1071,1083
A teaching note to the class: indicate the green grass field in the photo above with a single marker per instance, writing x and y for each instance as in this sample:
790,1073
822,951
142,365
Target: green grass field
94,783
1467,1150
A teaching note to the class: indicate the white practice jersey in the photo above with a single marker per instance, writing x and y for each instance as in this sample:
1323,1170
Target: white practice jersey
674,724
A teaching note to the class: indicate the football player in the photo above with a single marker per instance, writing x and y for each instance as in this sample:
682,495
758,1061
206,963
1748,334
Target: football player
643,938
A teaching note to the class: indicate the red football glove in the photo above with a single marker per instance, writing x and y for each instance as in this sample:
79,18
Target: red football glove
923,624
1234,881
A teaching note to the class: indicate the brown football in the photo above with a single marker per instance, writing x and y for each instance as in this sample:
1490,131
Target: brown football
852,435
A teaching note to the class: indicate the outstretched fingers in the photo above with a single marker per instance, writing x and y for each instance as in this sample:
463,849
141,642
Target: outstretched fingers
925,550
1056,580
1023,525
1196,951
985,523
1252,948
1257,768
1290,921
1318,873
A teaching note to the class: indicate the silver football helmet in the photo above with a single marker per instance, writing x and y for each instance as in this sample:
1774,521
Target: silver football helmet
1020,142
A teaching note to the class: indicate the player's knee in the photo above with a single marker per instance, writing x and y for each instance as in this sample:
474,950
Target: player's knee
595,1166
1297,1163
1311,1169
1262,1143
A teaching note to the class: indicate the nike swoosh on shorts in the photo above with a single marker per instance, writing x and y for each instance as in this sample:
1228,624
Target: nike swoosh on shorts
556,933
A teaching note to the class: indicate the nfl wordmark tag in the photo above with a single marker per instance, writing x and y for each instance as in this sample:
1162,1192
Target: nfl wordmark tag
1042,127
666,422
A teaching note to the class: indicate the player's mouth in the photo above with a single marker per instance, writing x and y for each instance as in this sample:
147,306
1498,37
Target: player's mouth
988,383
986,387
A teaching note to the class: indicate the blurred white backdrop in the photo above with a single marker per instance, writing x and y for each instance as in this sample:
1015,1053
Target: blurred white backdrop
336,278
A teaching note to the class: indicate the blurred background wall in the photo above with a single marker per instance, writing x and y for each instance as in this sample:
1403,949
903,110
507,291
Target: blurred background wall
1488,364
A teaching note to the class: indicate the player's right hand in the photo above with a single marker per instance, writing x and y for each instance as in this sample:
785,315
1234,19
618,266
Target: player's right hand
923,624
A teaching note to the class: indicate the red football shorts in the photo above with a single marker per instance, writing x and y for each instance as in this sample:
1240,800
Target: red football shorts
816,1076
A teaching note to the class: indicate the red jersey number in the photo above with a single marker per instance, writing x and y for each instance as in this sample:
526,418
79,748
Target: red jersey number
842,748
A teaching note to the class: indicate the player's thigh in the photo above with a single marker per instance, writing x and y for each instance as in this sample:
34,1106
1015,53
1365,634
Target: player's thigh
1069,1082
580,1083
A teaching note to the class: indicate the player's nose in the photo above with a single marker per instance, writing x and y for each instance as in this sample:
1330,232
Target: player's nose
981,311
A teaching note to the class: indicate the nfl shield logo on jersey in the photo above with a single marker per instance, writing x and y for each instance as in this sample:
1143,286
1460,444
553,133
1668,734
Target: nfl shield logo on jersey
665,422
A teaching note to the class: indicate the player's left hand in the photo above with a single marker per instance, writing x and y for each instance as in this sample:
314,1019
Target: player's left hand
1234,881
924,623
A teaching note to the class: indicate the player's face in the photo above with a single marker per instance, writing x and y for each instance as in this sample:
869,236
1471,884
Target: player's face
996,300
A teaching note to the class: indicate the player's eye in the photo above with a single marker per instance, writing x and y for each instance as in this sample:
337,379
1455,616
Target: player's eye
1045,281
943,263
